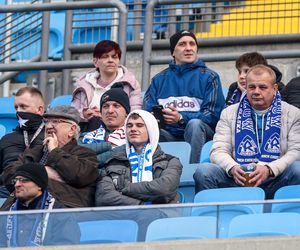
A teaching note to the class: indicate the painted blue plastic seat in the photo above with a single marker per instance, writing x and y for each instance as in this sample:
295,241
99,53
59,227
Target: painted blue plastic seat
287,192
266,224
108,231
61,100
226,212
8,114
205,152
2,131
187,183
180,149
182,228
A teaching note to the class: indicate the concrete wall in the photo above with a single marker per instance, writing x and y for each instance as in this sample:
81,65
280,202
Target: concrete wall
259,243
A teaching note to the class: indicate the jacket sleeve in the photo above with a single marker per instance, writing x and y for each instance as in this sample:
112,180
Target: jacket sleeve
107,195
162,189
79,100
150,98
135,97
213,103
78,168
222,148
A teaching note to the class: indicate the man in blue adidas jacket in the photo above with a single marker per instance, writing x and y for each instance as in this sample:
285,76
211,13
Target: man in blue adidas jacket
190,93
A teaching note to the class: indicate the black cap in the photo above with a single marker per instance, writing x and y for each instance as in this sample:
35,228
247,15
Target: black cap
176,37
117,94
64,111
35,172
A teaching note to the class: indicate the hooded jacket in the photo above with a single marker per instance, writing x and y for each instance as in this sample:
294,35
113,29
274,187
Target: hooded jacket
193,89
86,85
115,186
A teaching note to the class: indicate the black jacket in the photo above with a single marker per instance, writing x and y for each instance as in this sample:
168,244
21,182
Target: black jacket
12,145
115,188
291,92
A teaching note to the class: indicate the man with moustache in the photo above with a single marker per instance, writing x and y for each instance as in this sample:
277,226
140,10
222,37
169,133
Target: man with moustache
261,130
30,107
72,169
190,94
110,132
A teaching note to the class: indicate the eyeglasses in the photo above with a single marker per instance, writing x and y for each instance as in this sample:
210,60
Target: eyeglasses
20,179
55,122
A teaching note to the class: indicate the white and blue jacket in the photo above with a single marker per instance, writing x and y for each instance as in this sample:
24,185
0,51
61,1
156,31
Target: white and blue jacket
193,89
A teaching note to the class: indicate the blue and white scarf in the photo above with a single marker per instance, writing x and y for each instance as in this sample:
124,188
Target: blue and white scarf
39,227
247,148
141,167
235,97
116,138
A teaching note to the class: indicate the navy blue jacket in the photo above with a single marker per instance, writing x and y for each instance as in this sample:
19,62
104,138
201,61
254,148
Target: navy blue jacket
193,89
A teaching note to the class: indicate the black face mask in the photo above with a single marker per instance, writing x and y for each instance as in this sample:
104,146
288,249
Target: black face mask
29,120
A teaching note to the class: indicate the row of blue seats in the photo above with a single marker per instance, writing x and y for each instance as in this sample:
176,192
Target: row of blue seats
193,227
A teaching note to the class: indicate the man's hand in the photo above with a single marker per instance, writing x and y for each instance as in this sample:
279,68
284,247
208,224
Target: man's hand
259,176
90,112
171,115
237,174
51,142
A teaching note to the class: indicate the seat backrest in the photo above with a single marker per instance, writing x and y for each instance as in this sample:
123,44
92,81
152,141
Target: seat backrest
227,212
180,149
266,224
181,228
7,105
61,100
2,131
9,121
287,192
108,231
205,152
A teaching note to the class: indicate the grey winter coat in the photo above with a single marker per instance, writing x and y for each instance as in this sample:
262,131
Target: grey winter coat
115,188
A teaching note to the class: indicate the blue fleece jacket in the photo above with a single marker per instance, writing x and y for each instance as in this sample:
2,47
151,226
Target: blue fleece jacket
193,89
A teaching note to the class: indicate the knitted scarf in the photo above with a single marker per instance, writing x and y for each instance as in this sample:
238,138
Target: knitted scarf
247,148
141,167
116,138
39,227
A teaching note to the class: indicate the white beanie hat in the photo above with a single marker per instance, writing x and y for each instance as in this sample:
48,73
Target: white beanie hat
151,125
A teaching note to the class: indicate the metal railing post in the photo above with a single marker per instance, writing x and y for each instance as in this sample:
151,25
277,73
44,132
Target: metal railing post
43,76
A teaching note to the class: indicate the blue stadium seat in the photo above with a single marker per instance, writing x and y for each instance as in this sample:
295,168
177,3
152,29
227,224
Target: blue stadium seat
7,105
287,192
2,131
267,224
180,149
205,152
182,228
61,100
108,231
187,183
227,212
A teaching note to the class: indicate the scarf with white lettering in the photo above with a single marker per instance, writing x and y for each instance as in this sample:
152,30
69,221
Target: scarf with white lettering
247,148
39,227
141,167
116,138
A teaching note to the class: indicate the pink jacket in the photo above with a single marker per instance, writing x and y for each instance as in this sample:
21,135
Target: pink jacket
83,94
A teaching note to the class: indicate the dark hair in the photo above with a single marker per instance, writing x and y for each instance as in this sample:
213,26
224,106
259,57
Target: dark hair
134,116
250,59
106,46
31,90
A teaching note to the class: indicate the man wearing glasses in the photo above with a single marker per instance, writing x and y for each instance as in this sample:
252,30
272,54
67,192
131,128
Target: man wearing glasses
72,169
37,229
